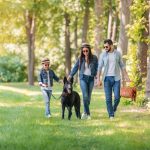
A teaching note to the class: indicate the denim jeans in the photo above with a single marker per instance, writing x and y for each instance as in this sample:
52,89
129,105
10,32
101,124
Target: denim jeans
47,95
86,85
111,85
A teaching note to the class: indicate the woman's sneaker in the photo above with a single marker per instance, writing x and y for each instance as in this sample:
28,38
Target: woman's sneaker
84,116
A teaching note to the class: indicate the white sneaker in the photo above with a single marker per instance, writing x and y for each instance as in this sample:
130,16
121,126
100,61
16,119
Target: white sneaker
88,117
84,116
111,118
49,116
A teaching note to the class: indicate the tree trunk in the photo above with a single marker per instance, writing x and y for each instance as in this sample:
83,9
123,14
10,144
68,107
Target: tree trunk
109,31
67,44
98,27
143,48
114,30
124,20
147,91
76,44
85,22
30,30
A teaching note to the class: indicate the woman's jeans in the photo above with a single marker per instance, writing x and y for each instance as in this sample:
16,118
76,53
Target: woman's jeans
47,95
111,85
86,85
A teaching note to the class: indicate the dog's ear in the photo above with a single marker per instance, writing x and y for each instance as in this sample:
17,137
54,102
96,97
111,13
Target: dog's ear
65,80
71,80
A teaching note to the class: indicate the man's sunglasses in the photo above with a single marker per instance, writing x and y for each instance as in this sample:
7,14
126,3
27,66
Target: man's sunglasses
105,46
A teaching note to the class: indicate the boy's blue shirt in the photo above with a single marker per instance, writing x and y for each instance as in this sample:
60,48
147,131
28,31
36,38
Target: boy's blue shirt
44,78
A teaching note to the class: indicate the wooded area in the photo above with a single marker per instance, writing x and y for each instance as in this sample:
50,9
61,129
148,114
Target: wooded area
33,29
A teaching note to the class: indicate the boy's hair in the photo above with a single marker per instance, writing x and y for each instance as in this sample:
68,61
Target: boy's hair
109,41
45,60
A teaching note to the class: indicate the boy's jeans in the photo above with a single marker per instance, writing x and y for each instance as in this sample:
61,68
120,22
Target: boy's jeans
47,95
111,85
86,85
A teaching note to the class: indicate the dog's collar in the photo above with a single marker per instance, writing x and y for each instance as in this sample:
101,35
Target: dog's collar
65,94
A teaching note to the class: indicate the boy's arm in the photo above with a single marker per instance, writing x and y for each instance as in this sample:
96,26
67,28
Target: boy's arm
40,79
55,77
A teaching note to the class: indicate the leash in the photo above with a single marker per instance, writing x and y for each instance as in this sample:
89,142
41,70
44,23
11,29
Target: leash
55,97
63,94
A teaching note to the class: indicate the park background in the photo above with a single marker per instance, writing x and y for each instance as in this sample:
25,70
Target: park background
33,29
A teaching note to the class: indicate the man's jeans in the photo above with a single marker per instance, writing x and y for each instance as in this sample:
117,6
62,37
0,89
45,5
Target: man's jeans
111,85
86,85
47,95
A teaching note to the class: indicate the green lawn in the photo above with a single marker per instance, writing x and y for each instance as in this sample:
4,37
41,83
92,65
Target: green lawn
24,127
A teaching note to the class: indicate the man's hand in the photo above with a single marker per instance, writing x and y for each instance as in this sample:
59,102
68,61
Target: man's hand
126,79
125,76
99,83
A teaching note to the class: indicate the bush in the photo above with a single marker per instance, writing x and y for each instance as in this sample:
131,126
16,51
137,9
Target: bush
12,69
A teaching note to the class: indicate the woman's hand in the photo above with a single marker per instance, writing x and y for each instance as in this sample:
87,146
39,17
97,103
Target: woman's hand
69,78
60,81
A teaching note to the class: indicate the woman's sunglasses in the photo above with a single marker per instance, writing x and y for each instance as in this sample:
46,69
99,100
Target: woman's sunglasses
85,51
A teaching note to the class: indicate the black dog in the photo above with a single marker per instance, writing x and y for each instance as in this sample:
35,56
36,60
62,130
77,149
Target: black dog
69,99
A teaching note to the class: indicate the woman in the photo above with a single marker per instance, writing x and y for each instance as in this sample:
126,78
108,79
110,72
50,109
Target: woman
87,65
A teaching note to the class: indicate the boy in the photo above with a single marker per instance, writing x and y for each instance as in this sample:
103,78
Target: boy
45,79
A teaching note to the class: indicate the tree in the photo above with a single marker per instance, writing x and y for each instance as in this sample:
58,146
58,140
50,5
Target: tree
67,43
98,27
143,46
147,91
86,21
30,30
124,21
110,18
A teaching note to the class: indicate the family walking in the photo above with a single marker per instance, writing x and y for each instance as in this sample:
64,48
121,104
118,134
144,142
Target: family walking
110,65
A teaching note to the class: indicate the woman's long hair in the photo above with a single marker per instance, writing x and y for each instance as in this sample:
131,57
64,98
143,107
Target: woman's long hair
85,45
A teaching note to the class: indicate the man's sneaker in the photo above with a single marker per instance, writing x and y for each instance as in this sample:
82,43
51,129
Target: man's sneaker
88,117
111,118
84,116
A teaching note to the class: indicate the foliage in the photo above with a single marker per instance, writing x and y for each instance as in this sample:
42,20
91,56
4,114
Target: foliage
126,102
141,100
138,9
132,63
12,69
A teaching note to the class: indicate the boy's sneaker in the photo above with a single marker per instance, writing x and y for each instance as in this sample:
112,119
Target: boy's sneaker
49,116
84,116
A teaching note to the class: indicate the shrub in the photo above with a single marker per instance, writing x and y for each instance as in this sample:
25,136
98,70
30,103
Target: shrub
12,69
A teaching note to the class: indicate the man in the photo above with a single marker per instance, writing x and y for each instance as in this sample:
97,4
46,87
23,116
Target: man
112,63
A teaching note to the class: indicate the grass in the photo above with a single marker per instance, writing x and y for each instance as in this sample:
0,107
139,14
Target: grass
24,127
